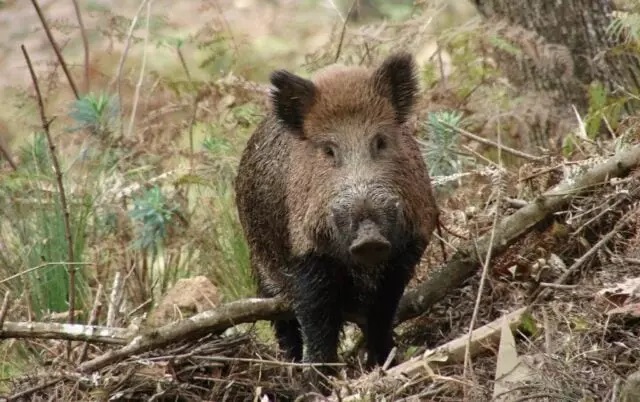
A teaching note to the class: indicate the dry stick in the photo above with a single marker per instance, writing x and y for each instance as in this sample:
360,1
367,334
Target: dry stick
136,96
56,49
123,57
85,44
196,101
115,298
93,318
344,29
5,154
212,321
485,270
70,332
485,141
37,267
4,309
34,389
63,199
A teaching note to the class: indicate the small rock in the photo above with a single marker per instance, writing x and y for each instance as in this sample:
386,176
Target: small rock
187,297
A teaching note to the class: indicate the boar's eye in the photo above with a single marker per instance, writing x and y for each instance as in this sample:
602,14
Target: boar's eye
379,144
329,150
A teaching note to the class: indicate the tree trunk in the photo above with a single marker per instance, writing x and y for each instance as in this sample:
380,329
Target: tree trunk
563,46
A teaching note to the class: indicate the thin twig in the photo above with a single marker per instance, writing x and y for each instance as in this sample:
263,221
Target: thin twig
196,101
604,211
21,395
4,309
344,30
63,199
543,292
85,45
6,155
485,141
56,49
557,286
485,269
136,96
45,265
123,57
93,318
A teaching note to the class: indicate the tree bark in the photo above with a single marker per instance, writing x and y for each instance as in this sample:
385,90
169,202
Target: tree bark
563,46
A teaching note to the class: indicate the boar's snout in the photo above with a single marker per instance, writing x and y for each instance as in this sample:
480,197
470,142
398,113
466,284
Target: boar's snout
367,219
370,246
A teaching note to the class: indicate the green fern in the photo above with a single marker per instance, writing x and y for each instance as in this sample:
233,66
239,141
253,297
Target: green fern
154,214
601,107
97,113
440,149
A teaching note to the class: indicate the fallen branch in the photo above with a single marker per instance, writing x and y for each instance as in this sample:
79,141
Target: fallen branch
465,262
217,320
70,332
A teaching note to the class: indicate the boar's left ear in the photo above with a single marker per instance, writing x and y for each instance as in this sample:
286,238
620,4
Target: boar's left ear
395,79
292,98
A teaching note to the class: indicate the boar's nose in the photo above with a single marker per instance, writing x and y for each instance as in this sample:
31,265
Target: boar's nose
370,246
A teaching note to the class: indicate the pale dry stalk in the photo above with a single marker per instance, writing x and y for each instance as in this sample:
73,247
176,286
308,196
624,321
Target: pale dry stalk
123,57
136,96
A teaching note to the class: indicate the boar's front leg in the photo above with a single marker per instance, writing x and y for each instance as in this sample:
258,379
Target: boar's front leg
316,302
379,326
287,331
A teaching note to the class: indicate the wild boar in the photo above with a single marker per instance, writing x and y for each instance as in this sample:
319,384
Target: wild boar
336,203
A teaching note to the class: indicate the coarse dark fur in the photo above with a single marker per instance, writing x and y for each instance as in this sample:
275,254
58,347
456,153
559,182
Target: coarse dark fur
334,166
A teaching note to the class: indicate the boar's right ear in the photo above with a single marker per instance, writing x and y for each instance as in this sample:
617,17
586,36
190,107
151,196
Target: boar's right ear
292,98
396,80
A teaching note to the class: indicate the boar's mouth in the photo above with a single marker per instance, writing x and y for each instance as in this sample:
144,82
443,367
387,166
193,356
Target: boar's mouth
369,247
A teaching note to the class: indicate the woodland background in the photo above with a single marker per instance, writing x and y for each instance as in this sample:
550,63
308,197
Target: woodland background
117,219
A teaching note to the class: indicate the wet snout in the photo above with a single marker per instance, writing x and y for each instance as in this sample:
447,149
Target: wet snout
370,247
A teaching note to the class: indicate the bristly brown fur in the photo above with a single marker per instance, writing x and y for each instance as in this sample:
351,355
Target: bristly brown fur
329,142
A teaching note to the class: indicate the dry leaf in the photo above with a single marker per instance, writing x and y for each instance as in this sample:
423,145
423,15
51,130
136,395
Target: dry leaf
629,309
622,293
509,368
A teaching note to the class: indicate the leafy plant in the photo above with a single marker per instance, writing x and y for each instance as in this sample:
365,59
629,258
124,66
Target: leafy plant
99,113
154,215
440,149
602,107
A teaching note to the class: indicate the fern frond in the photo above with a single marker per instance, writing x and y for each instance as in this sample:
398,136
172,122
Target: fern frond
439,151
